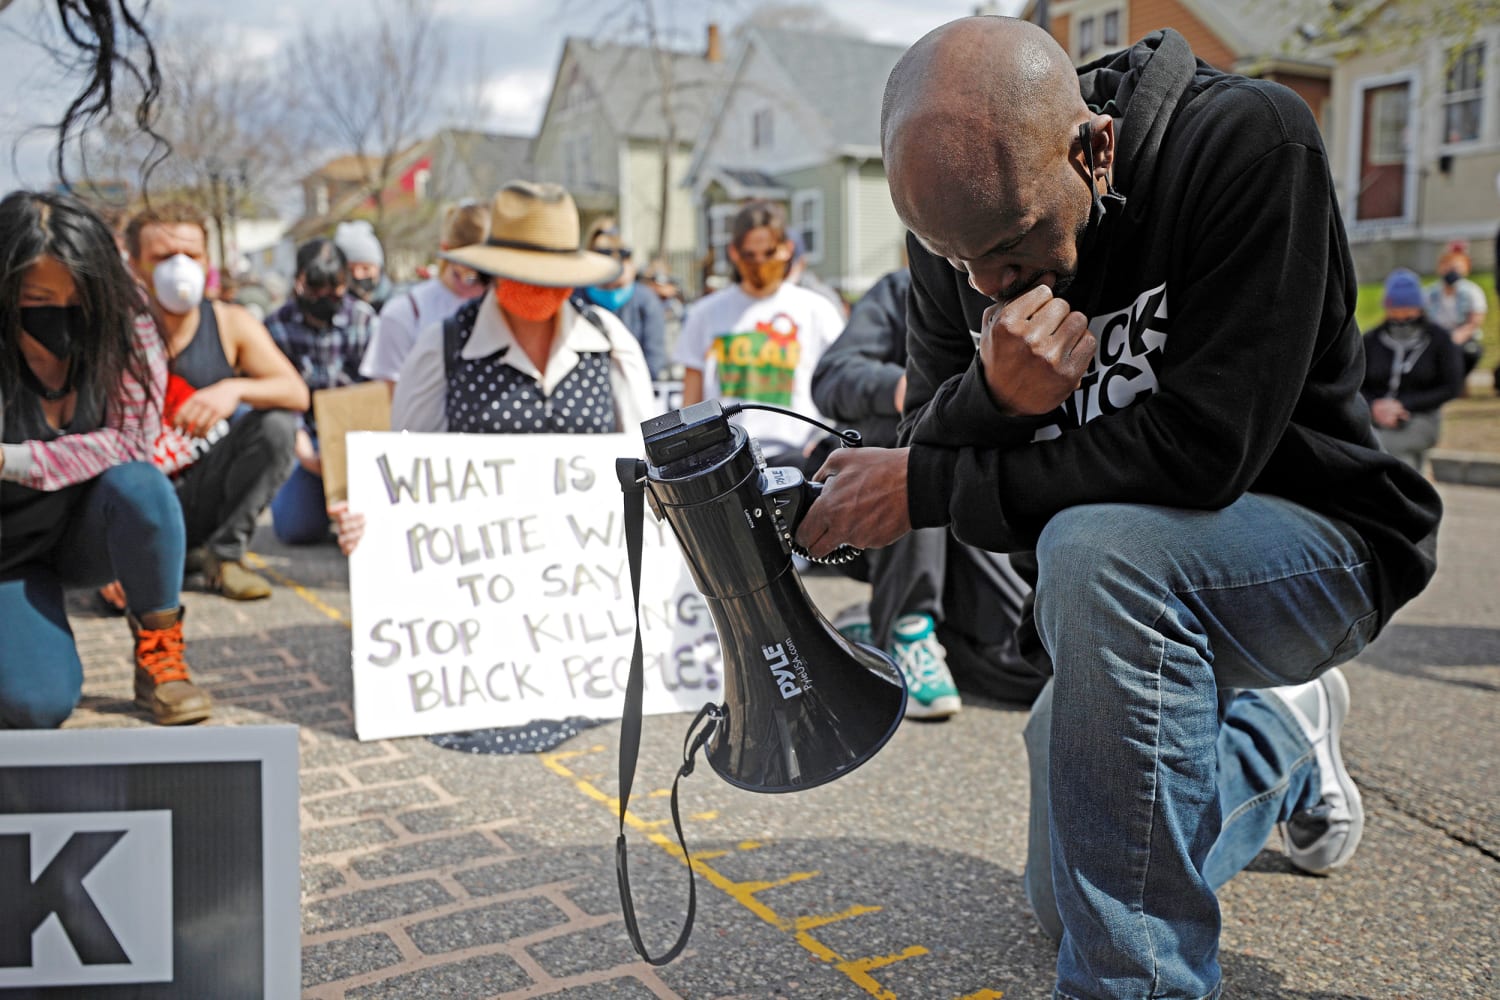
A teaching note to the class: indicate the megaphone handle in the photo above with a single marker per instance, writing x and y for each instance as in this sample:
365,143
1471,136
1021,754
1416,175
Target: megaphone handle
630,473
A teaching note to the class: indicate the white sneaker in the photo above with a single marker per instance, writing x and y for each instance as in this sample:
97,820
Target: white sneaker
1323,837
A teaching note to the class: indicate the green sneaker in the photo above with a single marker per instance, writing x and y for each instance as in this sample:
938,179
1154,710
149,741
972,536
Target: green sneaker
923,663
853,624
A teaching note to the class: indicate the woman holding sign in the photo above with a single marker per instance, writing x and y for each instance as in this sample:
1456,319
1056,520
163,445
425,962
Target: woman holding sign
523,359
82,377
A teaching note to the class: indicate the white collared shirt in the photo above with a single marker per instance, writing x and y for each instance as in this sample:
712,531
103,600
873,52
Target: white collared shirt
420,402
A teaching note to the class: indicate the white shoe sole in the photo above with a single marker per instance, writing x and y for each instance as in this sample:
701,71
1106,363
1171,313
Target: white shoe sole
1337,689
940,708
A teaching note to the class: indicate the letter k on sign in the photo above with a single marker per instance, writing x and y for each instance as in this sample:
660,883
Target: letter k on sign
85,898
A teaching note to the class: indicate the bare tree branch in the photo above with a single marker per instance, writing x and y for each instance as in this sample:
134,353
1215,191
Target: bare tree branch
369,92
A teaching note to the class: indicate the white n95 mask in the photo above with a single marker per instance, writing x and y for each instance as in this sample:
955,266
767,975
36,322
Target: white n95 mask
179,282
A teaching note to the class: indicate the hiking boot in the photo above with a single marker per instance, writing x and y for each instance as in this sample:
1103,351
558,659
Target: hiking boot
923,663
162,686
230,578
1324,836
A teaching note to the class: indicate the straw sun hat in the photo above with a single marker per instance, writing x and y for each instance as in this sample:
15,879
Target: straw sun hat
534,240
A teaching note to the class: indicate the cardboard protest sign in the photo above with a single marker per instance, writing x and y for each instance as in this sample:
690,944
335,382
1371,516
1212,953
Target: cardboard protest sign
492,588
365,406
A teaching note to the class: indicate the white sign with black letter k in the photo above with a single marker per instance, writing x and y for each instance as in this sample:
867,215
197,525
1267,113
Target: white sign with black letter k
85,898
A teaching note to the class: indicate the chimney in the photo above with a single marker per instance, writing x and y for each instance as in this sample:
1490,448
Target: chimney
715,51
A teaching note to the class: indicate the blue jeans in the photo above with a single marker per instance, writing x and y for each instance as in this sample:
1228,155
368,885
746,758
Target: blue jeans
299,511
127,526
1155,775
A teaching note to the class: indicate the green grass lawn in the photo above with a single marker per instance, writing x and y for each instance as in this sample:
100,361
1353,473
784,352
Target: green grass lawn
1369,313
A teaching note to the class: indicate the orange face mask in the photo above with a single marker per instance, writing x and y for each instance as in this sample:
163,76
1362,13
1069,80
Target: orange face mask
532,302
762,274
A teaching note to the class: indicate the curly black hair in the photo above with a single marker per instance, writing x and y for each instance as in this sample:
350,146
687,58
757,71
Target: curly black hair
110,37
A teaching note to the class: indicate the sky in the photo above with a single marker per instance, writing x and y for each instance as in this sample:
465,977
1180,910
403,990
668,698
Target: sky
507,49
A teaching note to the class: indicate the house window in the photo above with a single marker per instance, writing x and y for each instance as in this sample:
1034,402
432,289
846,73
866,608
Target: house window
1111,29
807,221
1463,96
1085,37
1388,113
720,229
761,135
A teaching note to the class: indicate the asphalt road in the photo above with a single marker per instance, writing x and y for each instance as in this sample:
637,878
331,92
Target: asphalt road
429,873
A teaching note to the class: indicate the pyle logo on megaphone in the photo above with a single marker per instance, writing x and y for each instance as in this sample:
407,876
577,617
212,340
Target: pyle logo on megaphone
787,679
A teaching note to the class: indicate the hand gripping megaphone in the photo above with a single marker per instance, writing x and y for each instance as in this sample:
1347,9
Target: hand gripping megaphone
802,704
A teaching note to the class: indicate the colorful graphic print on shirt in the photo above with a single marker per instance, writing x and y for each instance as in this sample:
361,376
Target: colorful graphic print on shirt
759,365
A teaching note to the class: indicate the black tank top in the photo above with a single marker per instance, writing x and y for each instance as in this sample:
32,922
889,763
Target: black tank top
202,361
34,520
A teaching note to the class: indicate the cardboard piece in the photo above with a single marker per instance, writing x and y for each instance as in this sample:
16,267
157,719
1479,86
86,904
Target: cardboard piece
362,407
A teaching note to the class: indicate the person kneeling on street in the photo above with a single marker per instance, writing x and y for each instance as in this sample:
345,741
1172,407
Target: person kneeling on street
83,376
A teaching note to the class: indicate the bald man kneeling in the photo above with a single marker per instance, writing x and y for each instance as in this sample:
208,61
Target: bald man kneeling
1133,363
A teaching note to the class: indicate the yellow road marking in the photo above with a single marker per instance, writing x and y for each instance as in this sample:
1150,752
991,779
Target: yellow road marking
857,970
256,562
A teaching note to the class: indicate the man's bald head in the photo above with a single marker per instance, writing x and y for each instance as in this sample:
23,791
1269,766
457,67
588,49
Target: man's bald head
974,96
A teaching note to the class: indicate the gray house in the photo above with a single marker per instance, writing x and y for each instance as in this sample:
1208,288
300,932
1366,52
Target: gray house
799,122
617,118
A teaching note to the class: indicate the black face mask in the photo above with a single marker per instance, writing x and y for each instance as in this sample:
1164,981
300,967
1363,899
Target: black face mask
322,308
56,328
364,287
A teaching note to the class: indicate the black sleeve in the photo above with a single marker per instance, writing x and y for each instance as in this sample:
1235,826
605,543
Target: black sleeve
1260,279
856,377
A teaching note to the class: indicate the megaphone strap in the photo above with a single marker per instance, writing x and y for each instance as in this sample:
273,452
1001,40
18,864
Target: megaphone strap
631,473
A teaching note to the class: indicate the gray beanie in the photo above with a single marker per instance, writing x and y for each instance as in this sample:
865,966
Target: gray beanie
357,240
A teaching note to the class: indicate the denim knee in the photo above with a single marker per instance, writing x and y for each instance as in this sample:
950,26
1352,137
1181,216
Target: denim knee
1088,556
141,494
49,697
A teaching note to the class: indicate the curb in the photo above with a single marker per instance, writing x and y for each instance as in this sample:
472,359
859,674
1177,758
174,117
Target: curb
1469,468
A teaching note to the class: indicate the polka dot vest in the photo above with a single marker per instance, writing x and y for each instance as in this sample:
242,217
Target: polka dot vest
488,396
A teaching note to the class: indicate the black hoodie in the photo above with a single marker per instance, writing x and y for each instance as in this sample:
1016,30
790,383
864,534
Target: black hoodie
1222,297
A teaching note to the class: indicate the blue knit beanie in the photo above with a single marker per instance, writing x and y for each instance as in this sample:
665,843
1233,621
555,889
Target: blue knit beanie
1403,290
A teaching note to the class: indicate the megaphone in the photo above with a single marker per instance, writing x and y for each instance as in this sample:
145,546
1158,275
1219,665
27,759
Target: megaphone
802,704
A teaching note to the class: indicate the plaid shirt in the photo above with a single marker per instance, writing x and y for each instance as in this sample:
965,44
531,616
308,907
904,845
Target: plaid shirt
328,357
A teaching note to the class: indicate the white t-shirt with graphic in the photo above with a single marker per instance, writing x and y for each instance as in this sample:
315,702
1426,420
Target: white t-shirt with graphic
403,317
763,351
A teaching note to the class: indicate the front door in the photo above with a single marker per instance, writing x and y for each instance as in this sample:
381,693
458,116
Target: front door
1382,154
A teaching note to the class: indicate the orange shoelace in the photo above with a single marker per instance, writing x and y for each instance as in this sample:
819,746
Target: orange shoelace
159,653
